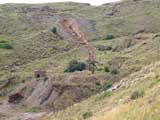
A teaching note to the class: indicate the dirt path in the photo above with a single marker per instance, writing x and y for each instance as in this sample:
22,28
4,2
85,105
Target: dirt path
80,38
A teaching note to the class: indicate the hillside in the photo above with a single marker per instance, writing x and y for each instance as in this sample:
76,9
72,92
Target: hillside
117,105
125,37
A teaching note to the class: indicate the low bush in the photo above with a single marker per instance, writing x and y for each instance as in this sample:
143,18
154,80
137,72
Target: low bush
87,115
107,85
103,47
137,94
5,45
109,37
98,85
114,71
74,65
106,69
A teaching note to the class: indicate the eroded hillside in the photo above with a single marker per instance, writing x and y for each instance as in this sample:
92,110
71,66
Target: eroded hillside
125,37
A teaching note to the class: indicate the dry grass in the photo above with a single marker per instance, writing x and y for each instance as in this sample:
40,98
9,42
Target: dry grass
118,106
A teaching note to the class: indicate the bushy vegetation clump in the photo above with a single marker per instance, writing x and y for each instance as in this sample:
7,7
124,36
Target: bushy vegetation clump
137,94
5,45
54,30
87,115
114,71
107,85
98,85
103,47
106,69
74,65
109,37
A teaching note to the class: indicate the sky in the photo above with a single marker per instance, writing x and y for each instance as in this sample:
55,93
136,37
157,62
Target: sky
92,2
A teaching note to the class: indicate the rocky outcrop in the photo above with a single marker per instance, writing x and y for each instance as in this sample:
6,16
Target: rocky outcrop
49,94
85,25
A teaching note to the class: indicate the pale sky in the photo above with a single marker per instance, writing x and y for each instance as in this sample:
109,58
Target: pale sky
93,2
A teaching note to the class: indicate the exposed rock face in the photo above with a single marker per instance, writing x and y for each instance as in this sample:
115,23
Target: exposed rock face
85,25
48,17
46,93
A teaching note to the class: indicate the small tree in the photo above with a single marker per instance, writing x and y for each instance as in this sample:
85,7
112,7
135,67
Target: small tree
92,66
74,65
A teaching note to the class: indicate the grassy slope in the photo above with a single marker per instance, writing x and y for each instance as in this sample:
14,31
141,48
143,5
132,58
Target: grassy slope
117,105
29,40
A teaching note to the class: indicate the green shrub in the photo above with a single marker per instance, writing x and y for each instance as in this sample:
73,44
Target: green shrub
54,30
87,115
98,85
137,94
109,37
107,85
109,47
103,47
74,65
5,45
3,41
106,69
114,71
